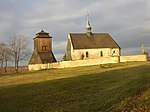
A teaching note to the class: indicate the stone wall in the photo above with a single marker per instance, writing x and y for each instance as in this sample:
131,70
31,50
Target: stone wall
88,62
142,57
77,63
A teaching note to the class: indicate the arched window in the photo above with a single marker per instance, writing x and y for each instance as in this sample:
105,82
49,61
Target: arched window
87,54
82,56
101,53
45,48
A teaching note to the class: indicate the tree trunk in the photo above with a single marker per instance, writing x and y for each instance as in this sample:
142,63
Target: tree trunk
17,65
16,62
6,66
1,66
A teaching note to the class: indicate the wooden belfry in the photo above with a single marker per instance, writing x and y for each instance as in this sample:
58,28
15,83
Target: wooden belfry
42,49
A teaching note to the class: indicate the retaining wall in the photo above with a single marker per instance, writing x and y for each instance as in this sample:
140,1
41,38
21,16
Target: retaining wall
142,57
89,62
77,63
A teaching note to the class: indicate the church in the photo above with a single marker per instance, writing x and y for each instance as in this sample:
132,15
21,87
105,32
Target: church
83,49
90,45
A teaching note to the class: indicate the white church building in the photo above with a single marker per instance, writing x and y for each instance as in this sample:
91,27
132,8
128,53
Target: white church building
90,45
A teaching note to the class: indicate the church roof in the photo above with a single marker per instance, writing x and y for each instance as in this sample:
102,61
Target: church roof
95,40
42,34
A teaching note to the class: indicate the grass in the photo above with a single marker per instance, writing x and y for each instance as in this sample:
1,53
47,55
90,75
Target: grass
104,88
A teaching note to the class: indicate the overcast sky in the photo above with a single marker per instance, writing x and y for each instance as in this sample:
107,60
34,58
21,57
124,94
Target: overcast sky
127,21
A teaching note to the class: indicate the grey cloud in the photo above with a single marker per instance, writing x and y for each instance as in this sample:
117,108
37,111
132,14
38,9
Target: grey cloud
127,21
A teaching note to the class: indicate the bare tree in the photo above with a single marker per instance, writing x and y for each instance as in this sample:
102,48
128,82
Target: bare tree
1,55
19,44
5,55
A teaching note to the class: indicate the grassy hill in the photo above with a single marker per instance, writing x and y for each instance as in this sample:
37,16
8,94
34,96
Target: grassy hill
104,88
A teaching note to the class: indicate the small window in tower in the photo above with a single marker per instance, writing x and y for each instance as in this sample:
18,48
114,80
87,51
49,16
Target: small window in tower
101,53
45,48
87,54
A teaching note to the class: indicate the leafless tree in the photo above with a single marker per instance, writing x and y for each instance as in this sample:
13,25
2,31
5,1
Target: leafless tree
8,57
5,55
19,45
1,55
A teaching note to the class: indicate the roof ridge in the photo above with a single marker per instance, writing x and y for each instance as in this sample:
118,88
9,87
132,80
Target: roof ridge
85,33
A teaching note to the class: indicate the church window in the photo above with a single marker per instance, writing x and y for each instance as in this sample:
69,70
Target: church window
101,53
82,56
87,54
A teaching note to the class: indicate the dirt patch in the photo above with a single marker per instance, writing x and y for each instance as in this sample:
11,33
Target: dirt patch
11,71
136,103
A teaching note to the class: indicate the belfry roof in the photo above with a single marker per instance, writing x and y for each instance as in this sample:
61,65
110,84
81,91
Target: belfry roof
42,34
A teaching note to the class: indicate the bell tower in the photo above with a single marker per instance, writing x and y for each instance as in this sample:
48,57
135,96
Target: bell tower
88,27
43,42
42,49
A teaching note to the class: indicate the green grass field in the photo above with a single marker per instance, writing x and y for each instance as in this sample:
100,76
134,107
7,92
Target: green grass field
105,88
